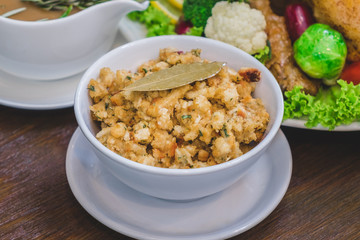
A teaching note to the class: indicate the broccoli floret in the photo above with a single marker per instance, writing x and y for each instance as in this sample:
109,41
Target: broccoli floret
198,11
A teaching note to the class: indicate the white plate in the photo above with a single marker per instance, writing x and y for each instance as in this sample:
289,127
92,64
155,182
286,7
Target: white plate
41,95
133,31
219,216
299,123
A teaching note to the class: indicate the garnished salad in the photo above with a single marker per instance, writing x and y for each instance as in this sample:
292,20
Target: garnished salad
319,51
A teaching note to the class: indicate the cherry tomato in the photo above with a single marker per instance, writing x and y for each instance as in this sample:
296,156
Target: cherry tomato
351,73
298,18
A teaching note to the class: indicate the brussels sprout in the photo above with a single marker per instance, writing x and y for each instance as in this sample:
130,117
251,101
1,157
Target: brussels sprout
321,52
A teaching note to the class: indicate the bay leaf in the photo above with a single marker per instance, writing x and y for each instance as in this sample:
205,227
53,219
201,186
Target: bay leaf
176,76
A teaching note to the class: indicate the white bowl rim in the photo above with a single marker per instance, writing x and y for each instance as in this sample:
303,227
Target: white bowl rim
180,172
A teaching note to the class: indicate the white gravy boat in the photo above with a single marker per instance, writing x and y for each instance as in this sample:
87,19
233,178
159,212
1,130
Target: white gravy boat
55,49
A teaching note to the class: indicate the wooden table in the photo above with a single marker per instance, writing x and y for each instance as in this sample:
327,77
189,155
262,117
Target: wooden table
322,202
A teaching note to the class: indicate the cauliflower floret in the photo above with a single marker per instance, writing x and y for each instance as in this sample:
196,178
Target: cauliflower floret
237,24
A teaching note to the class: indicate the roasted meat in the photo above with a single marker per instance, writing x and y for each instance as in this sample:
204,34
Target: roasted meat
282,64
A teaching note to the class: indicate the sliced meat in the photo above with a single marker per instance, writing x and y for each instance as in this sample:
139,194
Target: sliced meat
282,64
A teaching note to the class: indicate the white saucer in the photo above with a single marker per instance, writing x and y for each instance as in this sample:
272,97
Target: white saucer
41,95
218,216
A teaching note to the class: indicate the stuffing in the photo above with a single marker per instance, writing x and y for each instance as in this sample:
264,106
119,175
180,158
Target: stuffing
237,24
197,125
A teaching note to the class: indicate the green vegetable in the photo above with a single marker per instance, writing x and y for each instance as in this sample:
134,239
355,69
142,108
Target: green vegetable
91,88
67,12
331,107
13,12
265,54
321,52
185,116
195,31
64,4
198,11
156,22
225,131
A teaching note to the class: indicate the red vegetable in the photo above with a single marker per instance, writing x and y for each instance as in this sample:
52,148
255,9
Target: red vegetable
351,73
182,26
298,18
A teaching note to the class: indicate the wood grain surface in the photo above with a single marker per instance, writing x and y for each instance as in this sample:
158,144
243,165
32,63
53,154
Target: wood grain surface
322,202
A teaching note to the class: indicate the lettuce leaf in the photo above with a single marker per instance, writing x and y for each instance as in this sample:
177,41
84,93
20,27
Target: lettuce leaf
264,55
156,22
331,107
195,31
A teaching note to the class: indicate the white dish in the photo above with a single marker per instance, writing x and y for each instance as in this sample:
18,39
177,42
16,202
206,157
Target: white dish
178,184
299,123
41,95
219,216
133,31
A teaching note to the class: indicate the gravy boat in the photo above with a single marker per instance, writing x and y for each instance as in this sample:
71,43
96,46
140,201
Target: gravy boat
60,48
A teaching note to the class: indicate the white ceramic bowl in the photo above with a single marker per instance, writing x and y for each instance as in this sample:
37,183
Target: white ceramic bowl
59,48
178,184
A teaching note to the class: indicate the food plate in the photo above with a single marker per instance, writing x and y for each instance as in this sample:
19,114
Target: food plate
219,216
133,31
299,123
41,95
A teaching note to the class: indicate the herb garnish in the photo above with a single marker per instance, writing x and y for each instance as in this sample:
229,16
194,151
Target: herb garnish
13,12
91,88
185,116
67,12
64,4
176,76
225,130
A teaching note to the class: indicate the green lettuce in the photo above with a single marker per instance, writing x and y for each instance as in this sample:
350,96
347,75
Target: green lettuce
264,55
195,31
331,107
156,22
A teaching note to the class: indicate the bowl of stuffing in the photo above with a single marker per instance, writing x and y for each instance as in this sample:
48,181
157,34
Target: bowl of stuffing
178,117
